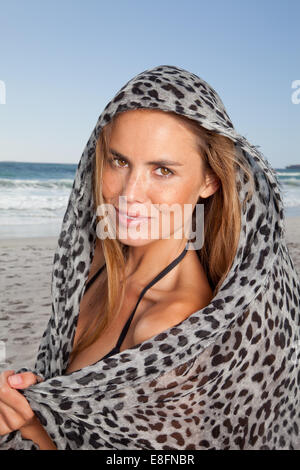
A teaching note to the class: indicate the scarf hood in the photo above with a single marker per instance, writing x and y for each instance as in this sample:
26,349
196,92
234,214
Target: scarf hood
222,378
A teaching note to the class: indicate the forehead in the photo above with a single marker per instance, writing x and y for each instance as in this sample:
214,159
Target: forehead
154,129
144,115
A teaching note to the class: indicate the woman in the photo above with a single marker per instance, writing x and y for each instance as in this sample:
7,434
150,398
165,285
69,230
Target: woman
145,135
174,348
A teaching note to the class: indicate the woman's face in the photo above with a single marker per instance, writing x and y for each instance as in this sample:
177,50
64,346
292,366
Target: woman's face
153,165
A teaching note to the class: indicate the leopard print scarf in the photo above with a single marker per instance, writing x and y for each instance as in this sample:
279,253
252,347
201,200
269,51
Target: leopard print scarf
227,377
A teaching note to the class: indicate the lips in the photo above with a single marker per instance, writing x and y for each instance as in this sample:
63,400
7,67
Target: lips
135,216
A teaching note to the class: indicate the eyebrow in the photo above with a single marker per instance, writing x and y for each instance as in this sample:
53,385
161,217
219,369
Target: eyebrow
154,162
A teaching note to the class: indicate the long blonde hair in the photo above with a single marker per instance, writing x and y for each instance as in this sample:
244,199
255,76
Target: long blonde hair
222,215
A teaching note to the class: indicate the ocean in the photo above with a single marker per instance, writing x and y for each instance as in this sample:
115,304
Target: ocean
34,197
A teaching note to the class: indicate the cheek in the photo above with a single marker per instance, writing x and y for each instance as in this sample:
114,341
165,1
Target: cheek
177,197
112,184
174,198
177,194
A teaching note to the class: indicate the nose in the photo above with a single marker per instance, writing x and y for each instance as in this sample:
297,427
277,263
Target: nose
135,186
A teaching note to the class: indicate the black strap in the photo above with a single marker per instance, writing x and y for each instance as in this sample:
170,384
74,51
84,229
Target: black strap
93,278
151,283
124,331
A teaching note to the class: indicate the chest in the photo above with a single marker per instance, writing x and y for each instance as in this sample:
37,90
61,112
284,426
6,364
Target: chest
90,307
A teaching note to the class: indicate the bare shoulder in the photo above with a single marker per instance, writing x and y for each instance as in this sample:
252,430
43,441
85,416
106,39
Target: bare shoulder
168,313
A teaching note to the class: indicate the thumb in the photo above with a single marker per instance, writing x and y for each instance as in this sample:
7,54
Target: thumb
24,380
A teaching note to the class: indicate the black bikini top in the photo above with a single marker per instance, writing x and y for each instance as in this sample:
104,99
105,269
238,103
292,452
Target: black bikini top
116,349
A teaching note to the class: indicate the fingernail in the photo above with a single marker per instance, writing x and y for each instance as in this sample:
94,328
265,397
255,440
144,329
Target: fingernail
15,379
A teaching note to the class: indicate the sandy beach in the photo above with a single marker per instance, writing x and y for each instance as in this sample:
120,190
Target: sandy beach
25,286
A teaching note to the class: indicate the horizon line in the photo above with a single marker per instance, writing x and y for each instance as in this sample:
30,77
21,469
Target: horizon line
76,163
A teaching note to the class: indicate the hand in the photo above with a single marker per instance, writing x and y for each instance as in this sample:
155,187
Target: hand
15,411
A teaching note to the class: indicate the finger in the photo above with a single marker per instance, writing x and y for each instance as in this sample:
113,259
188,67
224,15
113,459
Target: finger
4,429
4,385
13,398
24,380
4,375
14,420
17,404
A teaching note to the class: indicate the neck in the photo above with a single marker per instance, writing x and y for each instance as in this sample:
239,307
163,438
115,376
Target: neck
149,259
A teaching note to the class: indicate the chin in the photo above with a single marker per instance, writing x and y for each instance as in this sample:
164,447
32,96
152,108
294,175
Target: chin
136,242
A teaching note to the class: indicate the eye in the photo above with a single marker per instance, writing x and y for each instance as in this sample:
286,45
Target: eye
165,169
113,160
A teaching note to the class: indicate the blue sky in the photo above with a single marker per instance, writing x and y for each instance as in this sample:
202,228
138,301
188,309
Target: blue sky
63,61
